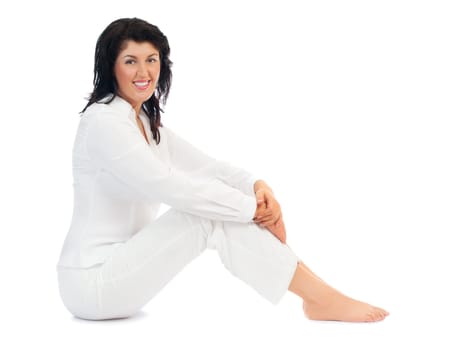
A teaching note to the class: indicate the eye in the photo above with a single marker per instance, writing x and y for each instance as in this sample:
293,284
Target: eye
130,62
152,60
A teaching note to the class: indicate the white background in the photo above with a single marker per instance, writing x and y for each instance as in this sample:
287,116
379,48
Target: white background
350,110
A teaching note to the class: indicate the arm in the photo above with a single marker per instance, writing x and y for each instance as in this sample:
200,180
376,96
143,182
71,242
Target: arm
190,159
113,143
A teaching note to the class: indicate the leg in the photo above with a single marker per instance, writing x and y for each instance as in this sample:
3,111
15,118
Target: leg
255,256
137,270
150,259
322,302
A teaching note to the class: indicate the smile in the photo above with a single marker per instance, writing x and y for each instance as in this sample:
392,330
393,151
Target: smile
142,84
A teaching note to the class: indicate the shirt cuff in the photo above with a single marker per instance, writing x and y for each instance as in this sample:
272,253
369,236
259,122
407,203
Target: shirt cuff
249,186
248,209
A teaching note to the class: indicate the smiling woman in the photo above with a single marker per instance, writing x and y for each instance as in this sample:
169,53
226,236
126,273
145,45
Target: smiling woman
132,60
118,254
137,69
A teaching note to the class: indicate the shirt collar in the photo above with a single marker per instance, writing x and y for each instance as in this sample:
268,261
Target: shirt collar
120,105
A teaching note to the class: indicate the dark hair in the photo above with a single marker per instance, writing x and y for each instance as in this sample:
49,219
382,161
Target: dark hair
108,47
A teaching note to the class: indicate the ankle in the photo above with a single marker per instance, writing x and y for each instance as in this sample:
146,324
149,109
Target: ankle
320,298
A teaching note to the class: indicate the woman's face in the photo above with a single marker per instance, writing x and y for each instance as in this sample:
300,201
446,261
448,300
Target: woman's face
136,70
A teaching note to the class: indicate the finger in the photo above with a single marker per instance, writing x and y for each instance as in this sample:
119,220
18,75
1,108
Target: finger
271,199
261,211
264,221
264,217
278,222
266,214
272,219
259,197
267,222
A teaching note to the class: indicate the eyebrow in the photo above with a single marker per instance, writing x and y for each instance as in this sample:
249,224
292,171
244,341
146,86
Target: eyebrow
132,56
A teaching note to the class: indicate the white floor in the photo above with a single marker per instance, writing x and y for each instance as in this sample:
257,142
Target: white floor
206,308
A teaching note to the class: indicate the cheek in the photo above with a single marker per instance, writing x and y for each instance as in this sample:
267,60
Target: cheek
157,74
122,75
123,78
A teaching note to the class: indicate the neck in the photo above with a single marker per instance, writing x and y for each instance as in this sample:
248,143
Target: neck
137,109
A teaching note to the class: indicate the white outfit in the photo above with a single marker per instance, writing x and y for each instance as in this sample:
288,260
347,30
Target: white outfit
117,254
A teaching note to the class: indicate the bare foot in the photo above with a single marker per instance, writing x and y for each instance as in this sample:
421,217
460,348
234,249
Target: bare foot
342,308
322,302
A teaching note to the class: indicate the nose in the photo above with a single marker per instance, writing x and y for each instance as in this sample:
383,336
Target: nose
142,70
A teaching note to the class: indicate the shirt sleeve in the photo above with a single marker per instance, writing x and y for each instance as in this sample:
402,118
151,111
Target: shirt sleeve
189,158
114,144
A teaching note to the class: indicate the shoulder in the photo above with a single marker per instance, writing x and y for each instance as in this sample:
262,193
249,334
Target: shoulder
108,112
108,119
164,130
169,132
168,135
109,107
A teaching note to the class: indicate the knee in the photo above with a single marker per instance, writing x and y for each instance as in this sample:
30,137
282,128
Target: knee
193,220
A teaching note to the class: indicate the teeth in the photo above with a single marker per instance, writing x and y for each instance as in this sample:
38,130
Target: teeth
141,83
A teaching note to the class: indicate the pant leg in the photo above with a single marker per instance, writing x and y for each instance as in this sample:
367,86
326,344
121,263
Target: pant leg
137,270
255,256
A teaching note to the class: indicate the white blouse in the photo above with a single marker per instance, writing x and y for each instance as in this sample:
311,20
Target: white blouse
120,182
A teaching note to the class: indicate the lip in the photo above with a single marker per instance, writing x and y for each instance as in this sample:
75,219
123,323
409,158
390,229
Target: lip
142,87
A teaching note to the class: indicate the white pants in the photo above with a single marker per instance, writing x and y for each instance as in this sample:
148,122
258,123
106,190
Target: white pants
143,265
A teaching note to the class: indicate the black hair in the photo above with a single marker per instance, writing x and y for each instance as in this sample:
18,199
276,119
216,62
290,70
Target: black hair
109,45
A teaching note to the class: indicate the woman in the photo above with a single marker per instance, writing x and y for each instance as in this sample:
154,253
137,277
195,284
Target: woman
117,254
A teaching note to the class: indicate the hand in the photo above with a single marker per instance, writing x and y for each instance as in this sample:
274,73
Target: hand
279,231
268,212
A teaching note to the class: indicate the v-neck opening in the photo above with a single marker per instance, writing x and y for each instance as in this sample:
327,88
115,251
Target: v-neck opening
144,132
